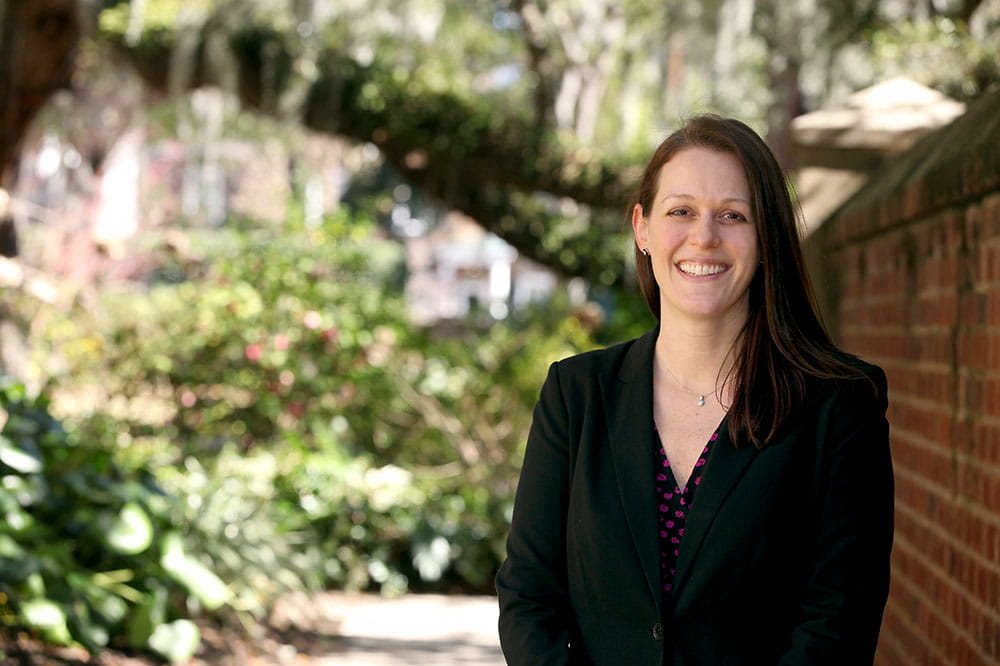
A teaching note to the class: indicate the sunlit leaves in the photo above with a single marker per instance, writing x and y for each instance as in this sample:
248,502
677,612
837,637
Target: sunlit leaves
131,532
939,52
189,572
177,640
49,617
25,458
79,536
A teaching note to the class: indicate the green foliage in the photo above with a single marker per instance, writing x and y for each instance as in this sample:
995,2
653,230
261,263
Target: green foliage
941,53
311,436
159,15
86,546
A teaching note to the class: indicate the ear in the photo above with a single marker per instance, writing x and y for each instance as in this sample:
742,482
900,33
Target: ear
640,226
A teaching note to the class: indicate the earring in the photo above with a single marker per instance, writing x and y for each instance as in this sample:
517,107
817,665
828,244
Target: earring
644,251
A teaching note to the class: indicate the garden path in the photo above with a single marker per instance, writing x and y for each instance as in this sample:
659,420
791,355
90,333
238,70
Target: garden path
362,629
329,629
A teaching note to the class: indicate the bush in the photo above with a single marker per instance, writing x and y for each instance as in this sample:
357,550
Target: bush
88,553
312,436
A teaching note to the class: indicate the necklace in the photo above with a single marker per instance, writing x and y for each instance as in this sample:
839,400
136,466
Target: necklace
701,396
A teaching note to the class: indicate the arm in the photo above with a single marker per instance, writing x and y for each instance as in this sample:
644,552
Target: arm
841,610
535,618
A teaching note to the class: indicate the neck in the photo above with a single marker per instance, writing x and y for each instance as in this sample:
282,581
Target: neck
697,354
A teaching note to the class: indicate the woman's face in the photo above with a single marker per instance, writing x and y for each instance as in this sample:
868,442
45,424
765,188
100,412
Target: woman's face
700,236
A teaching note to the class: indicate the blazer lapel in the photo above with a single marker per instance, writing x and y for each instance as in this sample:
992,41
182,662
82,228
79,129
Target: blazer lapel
726,465
629,400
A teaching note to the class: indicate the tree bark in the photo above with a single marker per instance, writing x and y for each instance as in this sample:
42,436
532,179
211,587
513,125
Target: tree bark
38,41
540,60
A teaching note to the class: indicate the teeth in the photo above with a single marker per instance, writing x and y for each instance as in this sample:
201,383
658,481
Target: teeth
692,268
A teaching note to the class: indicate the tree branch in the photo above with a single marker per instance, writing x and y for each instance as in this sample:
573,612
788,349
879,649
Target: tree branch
469,157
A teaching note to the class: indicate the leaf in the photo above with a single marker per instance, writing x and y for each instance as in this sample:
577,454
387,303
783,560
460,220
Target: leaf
107,604
9,547
48,617
19,424
131,532
177,640
14,570
88,629
17,459
146,617
196,577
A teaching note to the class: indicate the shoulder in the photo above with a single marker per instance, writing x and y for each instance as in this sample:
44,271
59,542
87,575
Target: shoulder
619,359
863,392
868,382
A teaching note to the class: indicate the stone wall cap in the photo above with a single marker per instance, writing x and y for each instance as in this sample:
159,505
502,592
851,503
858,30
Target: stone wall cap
949,167
890,115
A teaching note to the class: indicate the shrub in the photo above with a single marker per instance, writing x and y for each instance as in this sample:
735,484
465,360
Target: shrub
313,438
87,551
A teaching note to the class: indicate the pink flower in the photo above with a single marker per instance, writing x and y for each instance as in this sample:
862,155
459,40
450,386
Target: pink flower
312,319
281,342
253,352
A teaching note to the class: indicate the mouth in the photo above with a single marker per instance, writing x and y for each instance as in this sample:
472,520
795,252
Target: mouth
696,269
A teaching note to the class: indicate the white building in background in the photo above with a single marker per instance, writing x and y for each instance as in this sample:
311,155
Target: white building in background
459,269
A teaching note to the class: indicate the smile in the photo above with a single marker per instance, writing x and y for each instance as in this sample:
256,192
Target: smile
698,270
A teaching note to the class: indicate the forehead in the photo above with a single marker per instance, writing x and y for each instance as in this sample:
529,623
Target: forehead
700,171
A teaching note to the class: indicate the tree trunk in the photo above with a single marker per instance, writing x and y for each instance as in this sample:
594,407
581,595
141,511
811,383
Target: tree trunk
787,102
38,41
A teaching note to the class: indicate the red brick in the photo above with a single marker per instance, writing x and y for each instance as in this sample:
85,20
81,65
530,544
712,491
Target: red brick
985,442
985,265
928,461
979,348
921,296
937,273
972,308
930,421
930,383
938,308
993,307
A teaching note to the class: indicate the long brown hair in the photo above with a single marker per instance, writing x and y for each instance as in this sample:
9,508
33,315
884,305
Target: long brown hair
783,343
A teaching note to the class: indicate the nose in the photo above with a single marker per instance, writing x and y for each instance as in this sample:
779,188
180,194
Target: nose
704,232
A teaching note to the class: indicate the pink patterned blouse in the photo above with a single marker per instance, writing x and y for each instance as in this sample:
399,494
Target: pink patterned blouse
673,507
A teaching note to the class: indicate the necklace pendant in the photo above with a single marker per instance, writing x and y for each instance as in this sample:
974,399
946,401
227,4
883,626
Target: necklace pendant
701,401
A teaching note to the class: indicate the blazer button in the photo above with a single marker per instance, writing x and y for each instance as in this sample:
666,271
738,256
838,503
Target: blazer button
658,631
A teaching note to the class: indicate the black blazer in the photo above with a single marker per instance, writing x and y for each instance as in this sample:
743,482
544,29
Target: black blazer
785,559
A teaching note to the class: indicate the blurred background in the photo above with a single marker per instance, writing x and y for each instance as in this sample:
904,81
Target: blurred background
282,278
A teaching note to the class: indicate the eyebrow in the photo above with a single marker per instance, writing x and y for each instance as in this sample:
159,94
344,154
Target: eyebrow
681,195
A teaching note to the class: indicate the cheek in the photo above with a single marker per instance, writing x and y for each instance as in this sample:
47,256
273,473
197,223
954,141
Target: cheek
750,248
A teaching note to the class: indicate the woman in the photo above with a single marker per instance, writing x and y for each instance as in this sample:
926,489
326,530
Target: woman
718,491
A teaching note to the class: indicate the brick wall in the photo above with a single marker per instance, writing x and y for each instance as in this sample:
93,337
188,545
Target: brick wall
916,260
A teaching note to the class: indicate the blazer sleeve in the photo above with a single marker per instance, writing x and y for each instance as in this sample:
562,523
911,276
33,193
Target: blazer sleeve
845,594
536,625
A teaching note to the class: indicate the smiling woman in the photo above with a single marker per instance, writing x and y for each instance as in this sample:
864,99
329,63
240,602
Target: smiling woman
699,237
718,491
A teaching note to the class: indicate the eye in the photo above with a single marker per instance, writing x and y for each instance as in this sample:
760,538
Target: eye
734,216
679,212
